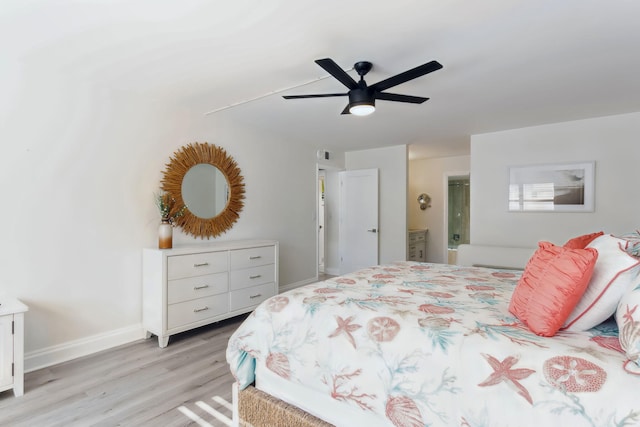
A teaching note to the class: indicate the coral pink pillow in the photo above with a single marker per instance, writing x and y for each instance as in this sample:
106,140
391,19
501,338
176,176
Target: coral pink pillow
551,285
581,242
613,274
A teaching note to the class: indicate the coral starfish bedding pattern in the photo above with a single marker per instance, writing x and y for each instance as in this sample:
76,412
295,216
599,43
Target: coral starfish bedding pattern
418,344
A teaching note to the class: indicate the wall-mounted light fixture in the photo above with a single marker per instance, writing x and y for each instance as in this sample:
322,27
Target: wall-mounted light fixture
424,201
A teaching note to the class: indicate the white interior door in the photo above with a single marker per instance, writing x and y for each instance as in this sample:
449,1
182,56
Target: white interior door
358,219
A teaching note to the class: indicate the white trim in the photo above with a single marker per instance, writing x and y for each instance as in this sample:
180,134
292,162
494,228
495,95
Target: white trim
327,270
317,220
72,349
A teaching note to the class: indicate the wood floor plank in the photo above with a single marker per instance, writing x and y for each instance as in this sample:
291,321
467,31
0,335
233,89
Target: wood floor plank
187,383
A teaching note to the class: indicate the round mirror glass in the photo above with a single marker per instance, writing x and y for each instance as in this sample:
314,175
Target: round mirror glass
205,190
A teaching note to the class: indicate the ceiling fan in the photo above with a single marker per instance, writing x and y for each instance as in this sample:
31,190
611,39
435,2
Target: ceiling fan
362,98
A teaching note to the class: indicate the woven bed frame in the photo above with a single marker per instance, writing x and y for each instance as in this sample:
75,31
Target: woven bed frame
256,408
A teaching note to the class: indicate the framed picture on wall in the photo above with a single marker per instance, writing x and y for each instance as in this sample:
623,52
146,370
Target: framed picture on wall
565,187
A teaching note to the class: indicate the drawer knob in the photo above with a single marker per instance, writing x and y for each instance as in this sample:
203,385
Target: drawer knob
197,310
197,288
257,276
204,264
255,257
255,296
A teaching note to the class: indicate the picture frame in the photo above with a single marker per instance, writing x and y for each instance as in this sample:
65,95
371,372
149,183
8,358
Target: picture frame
563,187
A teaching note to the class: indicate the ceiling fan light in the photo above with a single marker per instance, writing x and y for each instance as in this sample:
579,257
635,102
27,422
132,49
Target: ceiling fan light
362,109
361,102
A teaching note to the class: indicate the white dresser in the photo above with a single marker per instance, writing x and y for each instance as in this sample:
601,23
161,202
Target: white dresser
417,245
188,287
12,345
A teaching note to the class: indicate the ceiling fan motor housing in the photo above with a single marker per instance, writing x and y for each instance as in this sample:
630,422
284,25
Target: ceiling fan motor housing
361,96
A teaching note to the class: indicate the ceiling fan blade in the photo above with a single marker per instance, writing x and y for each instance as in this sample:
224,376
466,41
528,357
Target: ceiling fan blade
319,95
411,74
346,110
336,71
400,98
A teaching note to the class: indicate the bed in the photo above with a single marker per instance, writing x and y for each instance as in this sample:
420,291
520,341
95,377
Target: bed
419,344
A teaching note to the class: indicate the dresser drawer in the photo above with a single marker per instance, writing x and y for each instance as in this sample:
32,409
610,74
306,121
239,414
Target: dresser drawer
196,287
251,296
251,257
248,277
200,264
192,311
417,237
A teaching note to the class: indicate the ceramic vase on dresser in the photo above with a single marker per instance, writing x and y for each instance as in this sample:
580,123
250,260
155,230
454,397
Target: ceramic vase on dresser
165,235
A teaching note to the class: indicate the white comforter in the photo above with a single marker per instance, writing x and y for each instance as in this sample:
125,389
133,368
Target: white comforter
434,345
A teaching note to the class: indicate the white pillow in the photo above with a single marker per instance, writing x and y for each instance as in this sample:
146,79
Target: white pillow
628,320
613,274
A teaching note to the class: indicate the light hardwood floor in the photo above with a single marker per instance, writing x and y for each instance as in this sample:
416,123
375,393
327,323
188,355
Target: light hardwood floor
187,383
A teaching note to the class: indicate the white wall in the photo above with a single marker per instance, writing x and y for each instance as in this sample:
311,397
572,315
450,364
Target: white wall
612,142
79,168
392,163
430,176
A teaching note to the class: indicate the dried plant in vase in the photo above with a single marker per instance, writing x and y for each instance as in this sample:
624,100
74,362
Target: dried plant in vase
168,214
167,207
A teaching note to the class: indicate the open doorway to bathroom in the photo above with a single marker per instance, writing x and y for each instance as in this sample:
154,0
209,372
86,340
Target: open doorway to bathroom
458,212
321,221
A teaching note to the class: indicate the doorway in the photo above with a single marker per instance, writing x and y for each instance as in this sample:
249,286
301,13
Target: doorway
458,214
321,221
326,220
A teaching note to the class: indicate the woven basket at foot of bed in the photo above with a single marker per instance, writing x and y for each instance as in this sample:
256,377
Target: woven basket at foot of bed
259,409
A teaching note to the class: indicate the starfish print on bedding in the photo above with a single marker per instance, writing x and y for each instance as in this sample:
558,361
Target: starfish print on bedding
502,371
628,315
345,327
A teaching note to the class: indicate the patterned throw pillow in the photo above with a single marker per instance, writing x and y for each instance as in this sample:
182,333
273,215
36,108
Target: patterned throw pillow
628,319
633,243
614,273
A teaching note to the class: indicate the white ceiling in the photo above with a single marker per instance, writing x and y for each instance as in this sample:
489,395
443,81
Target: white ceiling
507,63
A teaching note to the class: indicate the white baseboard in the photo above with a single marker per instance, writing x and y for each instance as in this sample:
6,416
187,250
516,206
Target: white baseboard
294,285
70,350
332,271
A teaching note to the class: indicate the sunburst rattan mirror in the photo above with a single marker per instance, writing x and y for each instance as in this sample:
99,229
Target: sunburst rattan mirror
180,164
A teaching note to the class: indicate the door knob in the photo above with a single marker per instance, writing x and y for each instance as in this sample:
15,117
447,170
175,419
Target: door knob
372,230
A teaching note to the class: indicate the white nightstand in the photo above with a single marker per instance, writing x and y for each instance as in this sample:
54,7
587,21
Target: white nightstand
12,345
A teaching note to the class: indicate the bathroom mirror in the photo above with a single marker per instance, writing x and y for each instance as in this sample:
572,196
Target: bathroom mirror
205,179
